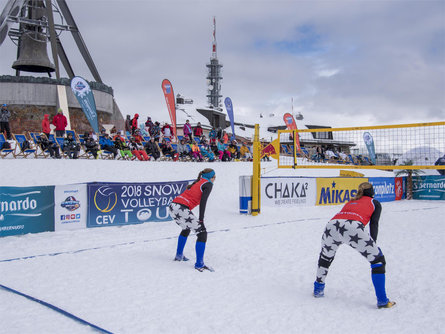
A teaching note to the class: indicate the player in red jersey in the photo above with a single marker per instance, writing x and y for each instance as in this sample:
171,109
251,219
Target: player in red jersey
348,227
181,208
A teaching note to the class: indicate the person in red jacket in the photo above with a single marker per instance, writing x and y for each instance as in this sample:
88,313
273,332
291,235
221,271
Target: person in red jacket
134,123
181,208
348,227
46,129
197,132
60,122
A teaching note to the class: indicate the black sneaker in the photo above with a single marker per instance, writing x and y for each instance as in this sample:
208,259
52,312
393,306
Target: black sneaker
204,267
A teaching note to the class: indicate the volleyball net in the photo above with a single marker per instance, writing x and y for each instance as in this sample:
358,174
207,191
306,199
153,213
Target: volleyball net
401,146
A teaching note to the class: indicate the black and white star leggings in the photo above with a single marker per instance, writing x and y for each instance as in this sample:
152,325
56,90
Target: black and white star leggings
185,218
343,231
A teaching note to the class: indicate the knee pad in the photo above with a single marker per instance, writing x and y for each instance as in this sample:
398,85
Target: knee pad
202,236
378,265
324,261
185,233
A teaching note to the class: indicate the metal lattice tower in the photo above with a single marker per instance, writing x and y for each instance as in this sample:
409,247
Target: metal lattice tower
40,21
214,76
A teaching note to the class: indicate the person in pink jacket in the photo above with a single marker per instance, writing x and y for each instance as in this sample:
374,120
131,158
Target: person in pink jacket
60,122
46,129
187,130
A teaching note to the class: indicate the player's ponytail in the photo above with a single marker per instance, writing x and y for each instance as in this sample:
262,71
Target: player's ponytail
364,189
204,171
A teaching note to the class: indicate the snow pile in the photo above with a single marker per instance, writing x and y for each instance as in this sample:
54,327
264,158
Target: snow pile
123,279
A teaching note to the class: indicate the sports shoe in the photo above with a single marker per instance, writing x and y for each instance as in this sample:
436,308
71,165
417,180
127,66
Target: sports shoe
204,267
389,304
318,289
181,258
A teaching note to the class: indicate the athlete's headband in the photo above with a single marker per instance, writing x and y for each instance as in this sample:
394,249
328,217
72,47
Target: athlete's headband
208,175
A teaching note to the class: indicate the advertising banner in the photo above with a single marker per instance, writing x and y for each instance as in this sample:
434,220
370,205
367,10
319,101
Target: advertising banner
84,95
384,188
369,142
400,188
339,190
115,204
431,187
288,191
229,108
169,95
245,194
26,210
289,120
70,207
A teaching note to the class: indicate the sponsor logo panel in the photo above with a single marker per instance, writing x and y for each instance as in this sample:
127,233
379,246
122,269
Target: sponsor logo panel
112,204
429,187
288,191
26,210
384,188
334,191
70,207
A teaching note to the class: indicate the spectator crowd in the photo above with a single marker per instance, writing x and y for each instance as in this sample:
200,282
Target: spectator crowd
150,141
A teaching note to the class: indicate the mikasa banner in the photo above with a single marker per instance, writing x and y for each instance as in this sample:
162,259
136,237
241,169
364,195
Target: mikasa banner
288,191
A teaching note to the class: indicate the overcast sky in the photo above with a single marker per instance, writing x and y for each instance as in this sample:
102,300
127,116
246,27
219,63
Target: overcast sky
344,63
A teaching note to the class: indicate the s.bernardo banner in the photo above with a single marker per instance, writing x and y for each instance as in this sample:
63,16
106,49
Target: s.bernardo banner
429,187
114,204
26,210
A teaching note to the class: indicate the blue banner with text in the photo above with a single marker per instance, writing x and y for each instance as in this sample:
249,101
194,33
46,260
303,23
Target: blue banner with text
384,188
115,204
430,187
26,210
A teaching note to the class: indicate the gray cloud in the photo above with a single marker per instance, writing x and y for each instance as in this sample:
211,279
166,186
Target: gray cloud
343,62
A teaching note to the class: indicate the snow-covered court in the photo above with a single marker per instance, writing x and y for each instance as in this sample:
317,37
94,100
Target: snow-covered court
124,279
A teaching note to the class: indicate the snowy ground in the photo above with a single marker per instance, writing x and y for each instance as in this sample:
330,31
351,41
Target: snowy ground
123,279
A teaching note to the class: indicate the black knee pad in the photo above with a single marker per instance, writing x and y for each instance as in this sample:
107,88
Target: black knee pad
324,261
378,265
185,233
202,236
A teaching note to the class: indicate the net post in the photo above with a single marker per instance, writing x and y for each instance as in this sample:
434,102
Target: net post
256,182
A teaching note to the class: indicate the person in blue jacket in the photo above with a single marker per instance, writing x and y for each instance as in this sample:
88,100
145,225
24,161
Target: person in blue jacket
107,144
440,162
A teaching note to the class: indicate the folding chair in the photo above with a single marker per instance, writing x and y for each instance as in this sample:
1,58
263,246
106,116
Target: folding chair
19,151
352,160
286,149
59,142
83,150
73,133
4,152
39,152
